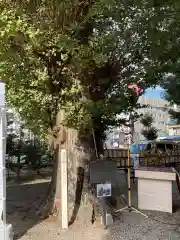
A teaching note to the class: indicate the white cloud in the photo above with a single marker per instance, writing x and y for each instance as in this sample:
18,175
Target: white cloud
158,88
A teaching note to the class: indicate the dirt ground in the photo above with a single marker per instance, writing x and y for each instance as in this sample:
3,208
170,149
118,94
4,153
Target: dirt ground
24,197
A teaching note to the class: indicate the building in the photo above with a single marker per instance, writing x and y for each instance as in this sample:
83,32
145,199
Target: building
173,128
158,108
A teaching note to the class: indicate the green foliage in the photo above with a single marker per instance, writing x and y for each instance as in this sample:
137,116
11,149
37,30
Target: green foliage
11,136
149,131
34,151
172,87
26,152
81,56
147,120
170,79
175,115
10,144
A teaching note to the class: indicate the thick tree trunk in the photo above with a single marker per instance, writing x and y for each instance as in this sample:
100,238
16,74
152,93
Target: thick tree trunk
79,206
83,207
83,204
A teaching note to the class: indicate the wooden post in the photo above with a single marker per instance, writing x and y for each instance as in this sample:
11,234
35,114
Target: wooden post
64,188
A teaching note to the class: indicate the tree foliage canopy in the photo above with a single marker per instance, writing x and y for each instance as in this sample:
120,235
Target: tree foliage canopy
147,120
81,56
149,131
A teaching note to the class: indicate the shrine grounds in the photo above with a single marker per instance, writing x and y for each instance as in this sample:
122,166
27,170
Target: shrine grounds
25,196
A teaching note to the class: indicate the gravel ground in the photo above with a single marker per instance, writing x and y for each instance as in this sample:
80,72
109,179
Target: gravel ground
128,226
124,229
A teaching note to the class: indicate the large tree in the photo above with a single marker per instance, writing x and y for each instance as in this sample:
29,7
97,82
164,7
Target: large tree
80,57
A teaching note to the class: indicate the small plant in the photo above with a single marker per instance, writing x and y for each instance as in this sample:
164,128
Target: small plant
149,131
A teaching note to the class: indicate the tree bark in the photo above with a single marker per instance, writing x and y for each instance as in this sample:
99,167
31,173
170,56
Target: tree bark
79,206
83,206
18,169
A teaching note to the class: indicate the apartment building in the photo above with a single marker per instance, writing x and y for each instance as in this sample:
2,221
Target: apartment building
158,108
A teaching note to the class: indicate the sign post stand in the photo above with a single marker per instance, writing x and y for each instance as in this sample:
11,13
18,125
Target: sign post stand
5,229
129,207
102,176
104,191
104,212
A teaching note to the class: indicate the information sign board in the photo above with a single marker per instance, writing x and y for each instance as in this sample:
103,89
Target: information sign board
104,190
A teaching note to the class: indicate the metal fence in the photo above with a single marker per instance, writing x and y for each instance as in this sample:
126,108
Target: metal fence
160,159
145,159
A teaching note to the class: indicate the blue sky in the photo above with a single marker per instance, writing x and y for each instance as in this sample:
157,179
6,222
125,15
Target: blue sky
154,92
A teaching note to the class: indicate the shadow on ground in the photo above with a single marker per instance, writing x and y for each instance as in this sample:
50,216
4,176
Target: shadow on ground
22,201
27,176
